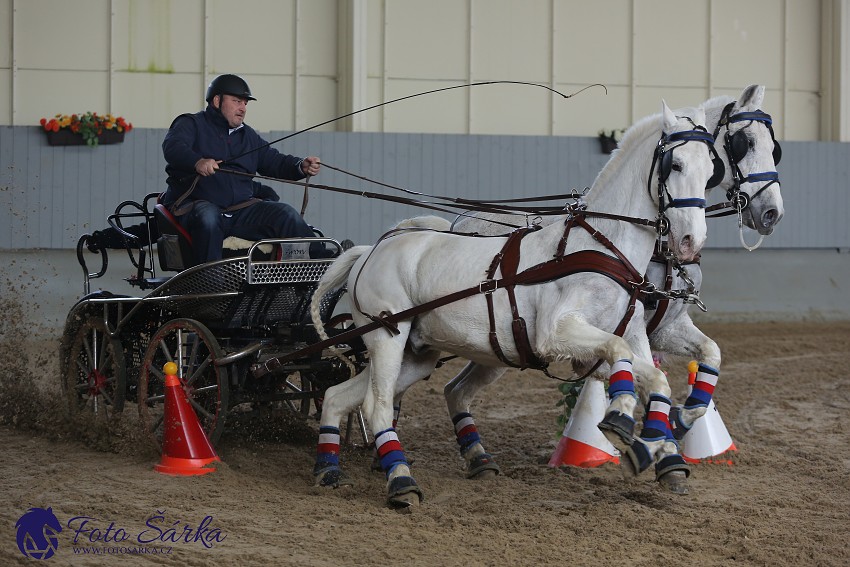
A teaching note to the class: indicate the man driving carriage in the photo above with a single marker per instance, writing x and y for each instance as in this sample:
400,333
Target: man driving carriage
213,205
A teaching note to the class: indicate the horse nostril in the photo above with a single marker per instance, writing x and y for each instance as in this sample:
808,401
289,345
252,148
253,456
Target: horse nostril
685,243
768,218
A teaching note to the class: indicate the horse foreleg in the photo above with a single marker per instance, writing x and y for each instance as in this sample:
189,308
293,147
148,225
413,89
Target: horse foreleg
582,341
459,393
681,337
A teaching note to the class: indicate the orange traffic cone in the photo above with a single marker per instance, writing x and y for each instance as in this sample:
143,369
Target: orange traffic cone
707,441
186,451
583,444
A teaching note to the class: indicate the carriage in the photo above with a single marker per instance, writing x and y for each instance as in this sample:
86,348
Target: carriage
220,322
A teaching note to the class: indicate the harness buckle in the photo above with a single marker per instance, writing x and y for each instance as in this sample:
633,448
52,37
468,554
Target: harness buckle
488,286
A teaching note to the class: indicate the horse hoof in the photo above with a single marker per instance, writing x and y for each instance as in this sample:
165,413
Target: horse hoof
483,467
403,492
638,457
675,482
619,429
332,477
672,473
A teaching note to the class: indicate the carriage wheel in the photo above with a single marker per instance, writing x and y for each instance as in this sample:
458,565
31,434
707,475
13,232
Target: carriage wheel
195,350
94,378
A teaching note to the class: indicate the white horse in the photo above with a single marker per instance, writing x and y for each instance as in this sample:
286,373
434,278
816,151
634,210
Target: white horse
563,317
744,139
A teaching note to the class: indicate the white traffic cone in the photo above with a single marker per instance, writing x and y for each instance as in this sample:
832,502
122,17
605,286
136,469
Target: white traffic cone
583,444
708,441
708,436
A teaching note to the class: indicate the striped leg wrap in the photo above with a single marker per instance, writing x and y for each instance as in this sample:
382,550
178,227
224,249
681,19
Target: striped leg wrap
621,380
703,387
656,422
466,432
327,451
390,452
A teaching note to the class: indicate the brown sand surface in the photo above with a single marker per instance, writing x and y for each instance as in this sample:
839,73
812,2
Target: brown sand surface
784,394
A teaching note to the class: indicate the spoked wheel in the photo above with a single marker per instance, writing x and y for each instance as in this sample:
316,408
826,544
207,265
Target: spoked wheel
94,378
297,385
190,345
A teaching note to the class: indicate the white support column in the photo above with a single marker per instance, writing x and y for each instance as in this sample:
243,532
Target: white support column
835,71
842,84
110,82
353,63
296,63
13,99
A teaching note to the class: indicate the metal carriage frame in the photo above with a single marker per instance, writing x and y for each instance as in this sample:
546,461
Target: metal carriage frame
218,321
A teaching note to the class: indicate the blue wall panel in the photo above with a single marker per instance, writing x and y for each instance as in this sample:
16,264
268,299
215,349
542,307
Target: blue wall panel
51,195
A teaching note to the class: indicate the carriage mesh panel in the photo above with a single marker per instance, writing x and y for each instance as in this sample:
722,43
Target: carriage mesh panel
278,292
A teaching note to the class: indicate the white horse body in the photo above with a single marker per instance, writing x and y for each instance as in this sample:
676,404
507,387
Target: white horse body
565,318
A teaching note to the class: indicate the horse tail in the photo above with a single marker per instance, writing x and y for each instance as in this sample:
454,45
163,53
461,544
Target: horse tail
333,279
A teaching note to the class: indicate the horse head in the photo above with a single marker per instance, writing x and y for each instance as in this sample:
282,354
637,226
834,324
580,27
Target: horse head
685,166
752,152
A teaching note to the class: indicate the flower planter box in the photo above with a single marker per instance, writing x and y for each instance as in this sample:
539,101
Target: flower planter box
68,138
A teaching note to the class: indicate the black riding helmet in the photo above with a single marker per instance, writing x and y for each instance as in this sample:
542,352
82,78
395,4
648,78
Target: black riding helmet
229,84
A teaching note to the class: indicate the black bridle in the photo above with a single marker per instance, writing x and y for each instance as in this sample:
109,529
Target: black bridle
737,146
663,160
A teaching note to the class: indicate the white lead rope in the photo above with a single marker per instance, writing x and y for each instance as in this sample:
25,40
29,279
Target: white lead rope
741,234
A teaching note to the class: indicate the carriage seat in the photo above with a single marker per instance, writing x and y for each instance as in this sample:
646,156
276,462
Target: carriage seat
174,245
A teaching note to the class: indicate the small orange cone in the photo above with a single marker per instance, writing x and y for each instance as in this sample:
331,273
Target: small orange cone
707,441
186,450
583,444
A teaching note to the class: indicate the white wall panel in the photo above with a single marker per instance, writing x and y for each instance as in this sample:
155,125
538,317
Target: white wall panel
427,40
317,37
60,92
6,32
157,98
511,39
748,38
444,112
158,36
63,35
671,49
803,45
593,42
255,37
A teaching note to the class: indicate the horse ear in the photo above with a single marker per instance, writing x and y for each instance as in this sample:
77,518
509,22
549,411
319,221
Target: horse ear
669,117
751,98
699,116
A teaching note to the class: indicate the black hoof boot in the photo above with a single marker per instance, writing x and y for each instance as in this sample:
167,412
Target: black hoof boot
482,466
672,473
619,429
403,492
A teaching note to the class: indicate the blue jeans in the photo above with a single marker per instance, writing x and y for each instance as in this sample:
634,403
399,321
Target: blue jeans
209,226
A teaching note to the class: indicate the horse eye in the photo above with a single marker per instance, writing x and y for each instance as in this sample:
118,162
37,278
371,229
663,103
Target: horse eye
677,166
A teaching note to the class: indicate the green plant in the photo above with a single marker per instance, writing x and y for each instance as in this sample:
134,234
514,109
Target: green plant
570,392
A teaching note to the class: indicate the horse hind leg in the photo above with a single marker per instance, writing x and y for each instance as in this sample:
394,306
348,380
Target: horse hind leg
386,363
459,393
339,400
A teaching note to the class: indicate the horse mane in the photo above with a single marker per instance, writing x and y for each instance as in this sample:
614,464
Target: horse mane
632,136
717,102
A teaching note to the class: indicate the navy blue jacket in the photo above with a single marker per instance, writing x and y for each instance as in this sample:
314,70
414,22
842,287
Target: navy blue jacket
205,135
